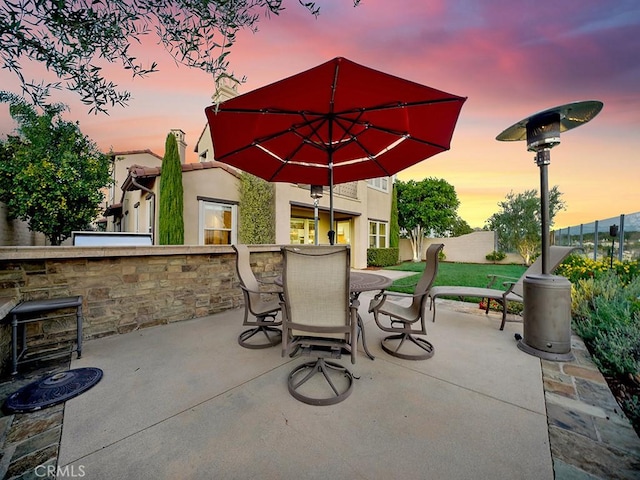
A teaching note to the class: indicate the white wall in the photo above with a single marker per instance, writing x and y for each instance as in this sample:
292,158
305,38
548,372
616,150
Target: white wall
470,248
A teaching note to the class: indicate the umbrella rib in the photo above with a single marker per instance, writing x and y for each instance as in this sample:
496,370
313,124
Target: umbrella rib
314,131
339,120
284,161
388,106
408,136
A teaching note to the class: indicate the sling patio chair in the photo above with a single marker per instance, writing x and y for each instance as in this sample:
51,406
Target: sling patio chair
258,303
319,318
515,287
403,319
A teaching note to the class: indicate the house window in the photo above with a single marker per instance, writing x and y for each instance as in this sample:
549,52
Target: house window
381,183
218,223
377,234
302,231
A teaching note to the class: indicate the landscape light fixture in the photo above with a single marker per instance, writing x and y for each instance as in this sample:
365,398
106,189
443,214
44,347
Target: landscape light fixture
547,298
316,193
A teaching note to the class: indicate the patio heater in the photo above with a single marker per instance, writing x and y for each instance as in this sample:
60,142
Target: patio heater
316,194
547,298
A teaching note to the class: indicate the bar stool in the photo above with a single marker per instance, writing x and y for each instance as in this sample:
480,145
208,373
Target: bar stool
23,313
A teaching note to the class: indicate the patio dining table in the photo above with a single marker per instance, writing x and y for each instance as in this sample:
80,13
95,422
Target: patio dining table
361,282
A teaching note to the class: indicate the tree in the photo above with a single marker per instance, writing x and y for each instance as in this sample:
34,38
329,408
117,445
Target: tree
257,210
394,226
518,224
75,39
171,211
428,206
51,175
460,227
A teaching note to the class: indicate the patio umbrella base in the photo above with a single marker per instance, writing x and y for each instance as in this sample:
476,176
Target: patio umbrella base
273,335
339,379
425,349
52,390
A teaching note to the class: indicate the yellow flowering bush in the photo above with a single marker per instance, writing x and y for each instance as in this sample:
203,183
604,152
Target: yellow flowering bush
579,267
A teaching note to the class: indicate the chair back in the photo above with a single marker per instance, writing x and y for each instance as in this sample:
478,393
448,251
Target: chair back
557,254
245,274
428,276
316,291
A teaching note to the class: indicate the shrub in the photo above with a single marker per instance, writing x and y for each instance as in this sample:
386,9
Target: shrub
512,307
382,257
576,267
496,256
257,211
584,293
606,314
616,349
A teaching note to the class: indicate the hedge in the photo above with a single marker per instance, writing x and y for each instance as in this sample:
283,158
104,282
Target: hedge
382,257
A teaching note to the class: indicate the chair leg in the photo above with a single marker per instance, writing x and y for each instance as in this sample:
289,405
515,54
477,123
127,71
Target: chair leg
364,340
420,342
325,368
433,305
504,315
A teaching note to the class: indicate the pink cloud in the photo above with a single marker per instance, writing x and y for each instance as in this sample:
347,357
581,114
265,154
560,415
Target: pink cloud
510,59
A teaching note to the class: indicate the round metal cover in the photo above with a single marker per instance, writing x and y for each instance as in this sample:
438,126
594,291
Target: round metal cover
52,390
571,115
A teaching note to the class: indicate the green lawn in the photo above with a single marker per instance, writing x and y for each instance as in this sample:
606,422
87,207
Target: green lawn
463,274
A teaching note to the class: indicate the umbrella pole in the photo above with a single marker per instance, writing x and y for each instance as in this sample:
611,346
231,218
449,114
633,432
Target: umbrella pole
332,232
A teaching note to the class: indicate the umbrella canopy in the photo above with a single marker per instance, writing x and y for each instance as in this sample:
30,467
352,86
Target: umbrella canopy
335,123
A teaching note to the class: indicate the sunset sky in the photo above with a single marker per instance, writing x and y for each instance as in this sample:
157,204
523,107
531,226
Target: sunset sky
511,59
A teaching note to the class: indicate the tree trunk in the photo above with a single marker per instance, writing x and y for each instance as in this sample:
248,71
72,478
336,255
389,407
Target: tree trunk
416,237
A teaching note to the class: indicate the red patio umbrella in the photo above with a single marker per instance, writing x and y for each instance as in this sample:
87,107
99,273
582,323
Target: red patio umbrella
335,123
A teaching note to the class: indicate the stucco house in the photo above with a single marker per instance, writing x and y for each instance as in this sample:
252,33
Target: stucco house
211,201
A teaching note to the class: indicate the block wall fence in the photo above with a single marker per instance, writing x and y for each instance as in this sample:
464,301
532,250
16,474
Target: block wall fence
470,248
125,288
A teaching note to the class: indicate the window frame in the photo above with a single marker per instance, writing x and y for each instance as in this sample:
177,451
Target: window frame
377,236
379,183
202,203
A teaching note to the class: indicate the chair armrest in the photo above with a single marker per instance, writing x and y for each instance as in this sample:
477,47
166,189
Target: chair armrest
262,292
381,298
494,278
271,284
387,293
509,286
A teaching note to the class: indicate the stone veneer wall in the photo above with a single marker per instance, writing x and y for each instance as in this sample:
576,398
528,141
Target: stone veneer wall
126,288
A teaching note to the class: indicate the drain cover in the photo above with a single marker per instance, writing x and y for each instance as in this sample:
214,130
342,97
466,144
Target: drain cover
52,390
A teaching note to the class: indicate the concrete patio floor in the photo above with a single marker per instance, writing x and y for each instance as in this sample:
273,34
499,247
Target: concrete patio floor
186,401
